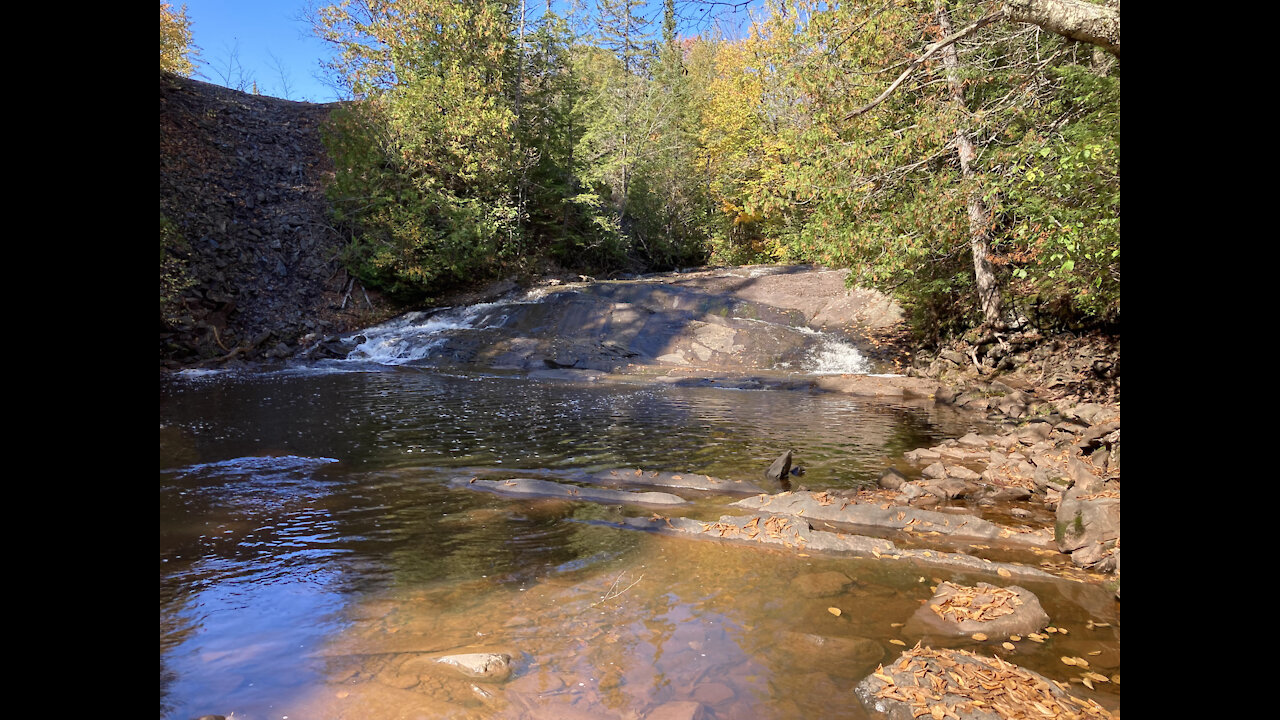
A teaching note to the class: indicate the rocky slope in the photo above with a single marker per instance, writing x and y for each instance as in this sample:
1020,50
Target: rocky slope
242,181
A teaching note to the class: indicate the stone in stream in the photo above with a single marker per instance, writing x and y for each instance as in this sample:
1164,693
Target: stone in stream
959,610
486,666
529,487
824,584
780,470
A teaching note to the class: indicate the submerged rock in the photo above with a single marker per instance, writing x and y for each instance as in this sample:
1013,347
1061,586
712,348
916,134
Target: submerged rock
487,666
824,584
530,487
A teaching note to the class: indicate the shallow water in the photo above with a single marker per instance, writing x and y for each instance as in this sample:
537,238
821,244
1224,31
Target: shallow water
313,553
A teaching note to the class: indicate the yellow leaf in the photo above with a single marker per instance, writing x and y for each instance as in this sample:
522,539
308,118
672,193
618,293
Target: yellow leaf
1004,573
1007,646
834,611
1068,660
1015,638
979,636
1087,682
896,641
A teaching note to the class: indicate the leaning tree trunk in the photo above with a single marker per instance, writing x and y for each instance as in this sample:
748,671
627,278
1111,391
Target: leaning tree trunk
1076,19
979,236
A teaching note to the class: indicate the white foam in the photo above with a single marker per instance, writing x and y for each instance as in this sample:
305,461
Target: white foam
411,336
833,356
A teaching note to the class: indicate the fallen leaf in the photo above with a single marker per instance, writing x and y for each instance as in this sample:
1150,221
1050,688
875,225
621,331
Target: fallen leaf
1015,638
834,611
1004,573
1008,646
896,641
979,636
1068,660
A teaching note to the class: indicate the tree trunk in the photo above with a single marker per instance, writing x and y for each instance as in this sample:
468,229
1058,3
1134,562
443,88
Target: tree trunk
979,239
1076,19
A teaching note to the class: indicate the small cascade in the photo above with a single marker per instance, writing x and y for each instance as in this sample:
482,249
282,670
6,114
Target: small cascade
596,326
412,336
833,356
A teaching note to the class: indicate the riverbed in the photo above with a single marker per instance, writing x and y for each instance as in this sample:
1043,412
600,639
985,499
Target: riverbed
316,550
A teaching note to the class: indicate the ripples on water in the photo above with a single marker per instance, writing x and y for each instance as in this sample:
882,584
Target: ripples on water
310,545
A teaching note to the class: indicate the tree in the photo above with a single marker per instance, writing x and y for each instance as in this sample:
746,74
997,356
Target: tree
177,54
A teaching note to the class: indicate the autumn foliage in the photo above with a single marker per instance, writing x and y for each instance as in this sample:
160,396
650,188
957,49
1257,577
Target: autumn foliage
485,139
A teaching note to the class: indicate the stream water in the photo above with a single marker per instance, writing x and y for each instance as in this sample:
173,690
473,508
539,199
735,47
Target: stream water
313,553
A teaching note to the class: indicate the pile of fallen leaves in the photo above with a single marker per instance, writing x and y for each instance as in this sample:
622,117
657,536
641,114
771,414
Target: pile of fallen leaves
944,683
975,603
775,527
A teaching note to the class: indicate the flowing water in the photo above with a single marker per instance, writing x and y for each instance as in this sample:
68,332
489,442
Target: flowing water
314,556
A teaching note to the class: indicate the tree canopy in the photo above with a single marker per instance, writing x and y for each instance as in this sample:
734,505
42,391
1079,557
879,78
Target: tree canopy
964,156
177,54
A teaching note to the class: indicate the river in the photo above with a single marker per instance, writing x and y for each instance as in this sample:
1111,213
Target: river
313,551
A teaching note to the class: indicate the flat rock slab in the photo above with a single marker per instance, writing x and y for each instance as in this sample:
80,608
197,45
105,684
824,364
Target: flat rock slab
529,487
794,533
833,508
878,385
659,478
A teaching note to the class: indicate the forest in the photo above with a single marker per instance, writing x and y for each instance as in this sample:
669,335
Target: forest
963,156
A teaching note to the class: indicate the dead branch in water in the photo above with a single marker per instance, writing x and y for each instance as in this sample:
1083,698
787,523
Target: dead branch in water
610,594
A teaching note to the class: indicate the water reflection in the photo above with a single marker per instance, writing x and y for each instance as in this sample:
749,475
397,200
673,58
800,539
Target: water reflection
314,557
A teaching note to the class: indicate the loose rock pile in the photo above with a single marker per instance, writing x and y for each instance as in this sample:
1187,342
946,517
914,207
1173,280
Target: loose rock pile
242,180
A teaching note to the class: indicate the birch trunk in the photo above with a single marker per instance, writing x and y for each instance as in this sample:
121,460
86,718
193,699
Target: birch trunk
979,237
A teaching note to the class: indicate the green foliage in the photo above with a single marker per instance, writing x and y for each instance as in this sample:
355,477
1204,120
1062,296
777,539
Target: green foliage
797,179
177,54
481,144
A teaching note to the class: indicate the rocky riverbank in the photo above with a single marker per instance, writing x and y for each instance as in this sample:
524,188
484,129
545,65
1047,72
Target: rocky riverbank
1035,497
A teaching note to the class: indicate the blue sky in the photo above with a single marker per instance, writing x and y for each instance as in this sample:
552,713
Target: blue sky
267,41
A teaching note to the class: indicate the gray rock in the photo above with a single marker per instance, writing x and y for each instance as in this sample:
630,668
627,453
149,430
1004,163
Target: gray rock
780,468
1092,524
936,470
1027,617
891,479
935,670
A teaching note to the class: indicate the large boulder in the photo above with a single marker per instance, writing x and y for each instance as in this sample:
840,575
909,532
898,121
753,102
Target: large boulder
1088,525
